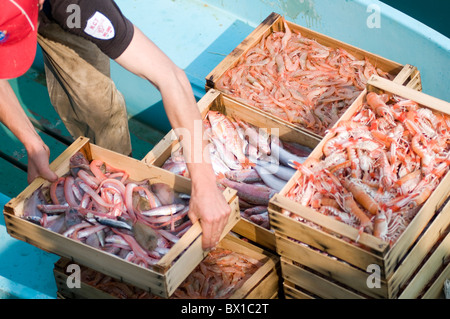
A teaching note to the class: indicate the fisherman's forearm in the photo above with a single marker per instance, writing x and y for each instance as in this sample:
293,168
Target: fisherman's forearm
15,119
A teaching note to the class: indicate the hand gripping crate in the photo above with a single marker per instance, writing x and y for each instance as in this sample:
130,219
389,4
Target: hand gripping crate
163,278
405,74
216,101
332,255
262,284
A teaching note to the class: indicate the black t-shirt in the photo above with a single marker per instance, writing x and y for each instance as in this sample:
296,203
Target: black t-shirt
99,21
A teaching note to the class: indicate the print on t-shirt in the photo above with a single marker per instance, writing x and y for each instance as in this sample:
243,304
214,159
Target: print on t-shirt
100,27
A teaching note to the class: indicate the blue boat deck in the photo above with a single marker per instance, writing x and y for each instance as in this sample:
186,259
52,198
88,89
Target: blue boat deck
197,35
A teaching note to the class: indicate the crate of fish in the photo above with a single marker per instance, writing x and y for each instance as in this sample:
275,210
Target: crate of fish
358,209
249,152
235,270
305,78
116,215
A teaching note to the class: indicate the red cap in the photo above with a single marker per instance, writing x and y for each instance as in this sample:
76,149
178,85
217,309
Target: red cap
18,36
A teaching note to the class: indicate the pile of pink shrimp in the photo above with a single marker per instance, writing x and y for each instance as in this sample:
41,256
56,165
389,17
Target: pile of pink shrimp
218,276
298,79
379,168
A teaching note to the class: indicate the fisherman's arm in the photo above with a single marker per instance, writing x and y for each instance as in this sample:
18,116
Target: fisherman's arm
14,118
208,204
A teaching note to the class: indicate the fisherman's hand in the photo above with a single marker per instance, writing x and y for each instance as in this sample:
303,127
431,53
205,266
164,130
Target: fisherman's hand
208,205
38,163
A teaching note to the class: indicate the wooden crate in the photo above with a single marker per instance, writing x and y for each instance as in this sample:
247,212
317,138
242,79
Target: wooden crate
313,283
166,275
412,279
292,291
340,259
428,281
214,100
263,284
436,290
404,74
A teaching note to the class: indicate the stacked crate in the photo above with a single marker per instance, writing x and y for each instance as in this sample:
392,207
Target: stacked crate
312,266
262,284
326,264
402,74
161,279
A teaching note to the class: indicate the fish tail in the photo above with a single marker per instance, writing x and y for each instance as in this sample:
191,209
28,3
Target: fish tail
248,163
294,164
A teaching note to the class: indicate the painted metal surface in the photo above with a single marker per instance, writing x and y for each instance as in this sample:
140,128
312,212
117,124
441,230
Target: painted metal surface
26,272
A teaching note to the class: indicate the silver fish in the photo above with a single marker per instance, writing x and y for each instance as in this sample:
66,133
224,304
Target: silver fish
113,223
164,210
30,211
285,157
283,172
270,180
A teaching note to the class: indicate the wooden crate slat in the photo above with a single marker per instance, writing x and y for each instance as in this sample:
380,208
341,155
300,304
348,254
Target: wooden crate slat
428,270
436,289
327,266
291,292
420,250
314,283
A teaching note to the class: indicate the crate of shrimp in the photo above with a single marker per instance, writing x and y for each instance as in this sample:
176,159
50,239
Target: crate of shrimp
359,210
234,270
116,215
303,77
249,153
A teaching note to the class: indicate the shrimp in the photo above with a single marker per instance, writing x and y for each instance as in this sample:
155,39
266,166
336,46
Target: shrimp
352,207
361,196
380,225
418,145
